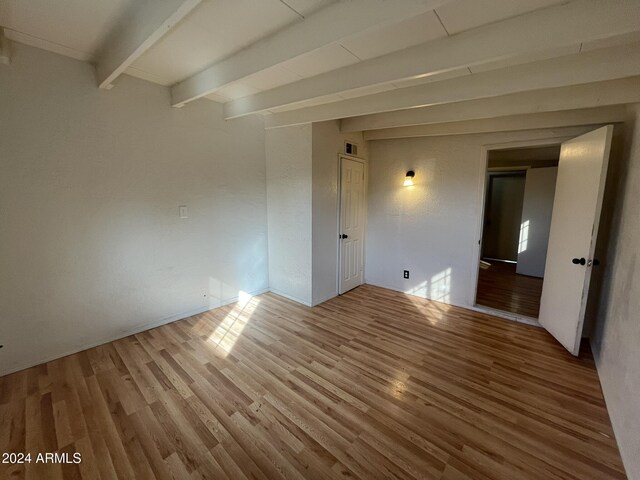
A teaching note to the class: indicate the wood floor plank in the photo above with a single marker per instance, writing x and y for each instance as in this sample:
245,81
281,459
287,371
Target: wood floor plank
500,287
371,384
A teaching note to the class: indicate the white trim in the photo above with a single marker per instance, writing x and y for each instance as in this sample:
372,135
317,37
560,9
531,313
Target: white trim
30,40
506,315
482,191
538,142
125,333
322,300
290,297
339,187
514,169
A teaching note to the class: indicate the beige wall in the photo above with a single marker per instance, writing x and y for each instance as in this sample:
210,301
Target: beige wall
616,339
302,184
328,142
431,229
288,156
91,244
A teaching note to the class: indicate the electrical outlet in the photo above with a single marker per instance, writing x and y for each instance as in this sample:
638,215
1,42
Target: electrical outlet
406,274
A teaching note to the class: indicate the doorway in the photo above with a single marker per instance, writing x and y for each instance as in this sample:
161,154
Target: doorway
571,241
519,194
351,224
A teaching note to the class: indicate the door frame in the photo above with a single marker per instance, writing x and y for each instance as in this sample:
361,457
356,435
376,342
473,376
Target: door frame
482,189
339,215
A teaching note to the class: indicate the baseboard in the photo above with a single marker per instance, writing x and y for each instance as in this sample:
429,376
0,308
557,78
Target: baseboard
326,299
487,311
502,314
289,297
127,333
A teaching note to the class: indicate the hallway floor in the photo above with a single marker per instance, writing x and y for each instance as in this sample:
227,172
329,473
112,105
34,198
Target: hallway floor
500,287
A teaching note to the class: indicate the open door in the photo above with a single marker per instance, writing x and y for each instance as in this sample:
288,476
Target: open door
580,184
351,224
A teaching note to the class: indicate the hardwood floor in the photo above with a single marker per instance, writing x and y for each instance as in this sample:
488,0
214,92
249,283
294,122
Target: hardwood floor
500,287
372,384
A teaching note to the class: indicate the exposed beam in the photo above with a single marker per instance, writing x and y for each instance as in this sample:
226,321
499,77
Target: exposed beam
511,123
597,94
594,66
5,52
564,25
147,23
326,26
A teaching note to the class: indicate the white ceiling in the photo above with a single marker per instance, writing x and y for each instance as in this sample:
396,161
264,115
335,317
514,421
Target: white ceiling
213,31
218,29
464,15
75,28
413,31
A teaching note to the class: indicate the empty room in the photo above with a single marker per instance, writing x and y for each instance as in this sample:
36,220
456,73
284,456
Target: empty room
320,239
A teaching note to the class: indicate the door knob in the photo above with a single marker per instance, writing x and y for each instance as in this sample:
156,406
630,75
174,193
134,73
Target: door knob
578,261
344,236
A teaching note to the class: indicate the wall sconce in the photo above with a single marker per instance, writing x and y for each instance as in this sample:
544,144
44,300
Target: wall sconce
408,179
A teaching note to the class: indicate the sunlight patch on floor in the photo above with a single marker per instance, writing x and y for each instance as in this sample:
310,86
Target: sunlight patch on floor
230,329
438,288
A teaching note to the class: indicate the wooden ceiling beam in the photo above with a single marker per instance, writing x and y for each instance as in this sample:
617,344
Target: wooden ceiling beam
147,23
590,95
328,25
594,66
546,29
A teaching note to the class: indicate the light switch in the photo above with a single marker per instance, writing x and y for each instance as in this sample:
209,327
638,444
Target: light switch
183,211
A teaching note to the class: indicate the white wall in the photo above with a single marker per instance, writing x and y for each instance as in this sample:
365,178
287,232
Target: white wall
288,157
616,342
539,191
430,229
91,246
328,142
302,191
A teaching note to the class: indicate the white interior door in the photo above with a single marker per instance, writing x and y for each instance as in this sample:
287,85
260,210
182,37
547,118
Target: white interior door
351,224
574,228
